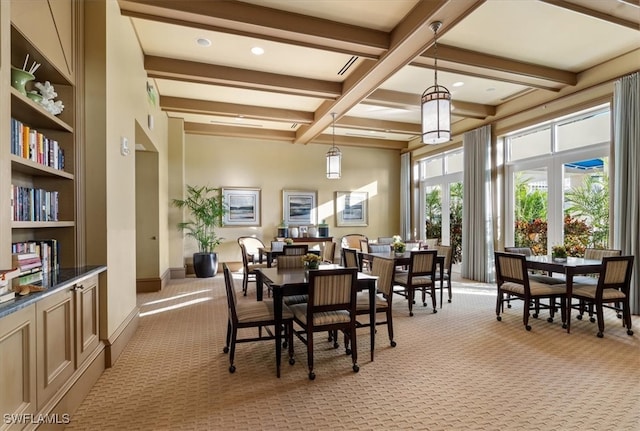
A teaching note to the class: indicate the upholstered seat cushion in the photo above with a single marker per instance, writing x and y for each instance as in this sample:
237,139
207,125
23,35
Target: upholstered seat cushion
295,299
585,279
589,291
537,288
321,318
402,278
362,301
540,278
259,311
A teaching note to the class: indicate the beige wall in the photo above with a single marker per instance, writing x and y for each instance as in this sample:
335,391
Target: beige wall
116,101
274,166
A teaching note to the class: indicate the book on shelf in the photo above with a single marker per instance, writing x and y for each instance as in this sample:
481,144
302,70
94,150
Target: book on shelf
6,284
28,253
29,278
7,296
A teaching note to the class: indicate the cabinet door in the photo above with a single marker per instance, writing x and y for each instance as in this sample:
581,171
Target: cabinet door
54,316
87,318
18,362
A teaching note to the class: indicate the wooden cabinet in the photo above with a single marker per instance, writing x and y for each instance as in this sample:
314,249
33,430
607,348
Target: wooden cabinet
55,343
50,349
87,337
18,359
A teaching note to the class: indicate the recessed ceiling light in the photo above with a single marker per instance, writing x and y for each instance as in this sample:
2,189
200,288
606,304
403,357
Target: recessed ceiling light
256,50
458,84
491,89
203,41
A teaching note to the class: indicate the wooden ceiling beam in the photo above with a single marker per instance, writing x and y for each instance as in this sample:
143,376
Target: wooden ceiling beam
486,63
205,107
238,132
262,23
190,71
574,7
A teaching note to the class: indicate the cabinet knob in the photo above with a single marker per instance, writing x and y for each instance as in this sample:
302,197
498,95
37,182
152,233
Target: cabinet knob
78,287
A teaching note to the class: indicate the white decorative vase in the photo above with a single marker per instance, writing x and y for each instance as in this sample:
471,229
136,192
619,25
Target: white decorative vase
293,232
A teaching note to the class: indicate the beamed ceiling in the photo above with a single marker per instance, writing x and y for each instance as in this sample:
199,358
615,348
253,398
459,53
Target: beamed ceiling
369,61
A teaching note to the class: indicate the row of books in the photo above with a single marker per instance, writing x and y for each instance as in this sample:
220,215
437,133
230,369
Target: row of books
48,251
28,143
29,204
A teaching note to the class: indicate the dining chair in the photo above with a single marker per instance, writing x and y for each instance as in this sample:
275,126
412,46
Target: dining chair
350,258
513,279
329,252
252,314
385,240
420,276
614,284
249,250
295,249
447,252
430,243
352,240
383,269
331,307
365,248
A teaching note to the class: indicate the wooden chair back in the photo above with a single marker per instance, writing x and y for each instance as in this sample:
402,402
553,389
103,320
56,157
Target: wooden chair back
329,252
288,262
295,249
600,253
383,269
350,258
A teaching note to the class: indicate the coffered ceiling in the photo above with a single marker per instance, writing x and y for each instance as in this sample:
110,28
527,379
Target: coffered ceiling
366,60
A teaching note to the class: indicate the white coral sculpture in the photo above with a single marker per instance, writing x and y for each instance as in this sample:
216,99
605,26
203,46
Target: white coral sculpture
48,94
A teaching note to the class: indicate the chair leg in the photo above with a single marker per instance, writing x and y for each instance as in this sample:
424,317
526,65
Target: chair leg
226,347
390,327
499,304
525,316
232,350
312,375
626,316
600,314
354,348
245,282
449,288
289,330
410,297
433,298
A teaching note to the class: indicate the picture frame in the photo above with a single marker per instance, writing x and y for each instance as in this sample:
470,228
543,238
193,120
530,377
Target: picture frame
352,208
299,207
243,205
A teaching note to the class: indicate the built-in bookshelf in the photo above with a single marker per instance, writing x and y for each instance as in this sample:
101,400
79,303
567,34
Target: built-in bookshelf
42,158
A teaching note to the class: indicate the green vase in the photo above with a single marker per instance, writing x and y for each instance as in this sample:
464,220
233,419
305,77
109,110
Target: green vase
19,79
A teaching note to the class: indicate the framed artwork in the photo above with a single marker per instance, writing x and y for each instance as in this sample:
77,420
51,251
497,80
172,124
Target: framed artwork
299,207
352,208
243,204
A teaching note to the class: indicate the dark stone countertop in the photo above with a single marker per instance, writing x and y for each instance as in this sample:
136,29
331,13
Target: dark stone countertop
53,282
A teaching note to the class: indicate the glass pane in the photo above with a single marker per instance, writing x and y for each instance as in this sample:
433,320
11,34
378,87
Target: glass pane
530,209
455,220
454,162
433,212
532,144
586,205
595,129
433,167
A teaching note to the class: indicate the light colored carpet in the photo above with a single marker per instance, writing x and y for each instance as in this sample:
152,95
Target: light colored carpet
458,369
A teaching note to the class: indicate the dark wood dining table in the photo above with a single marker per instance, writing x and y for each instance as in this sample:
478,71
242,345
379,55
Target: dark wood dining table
570,267
295,281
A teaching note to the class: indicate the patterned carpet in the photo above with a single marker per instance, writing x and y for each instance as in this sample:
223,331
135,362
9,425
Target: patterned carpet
458,369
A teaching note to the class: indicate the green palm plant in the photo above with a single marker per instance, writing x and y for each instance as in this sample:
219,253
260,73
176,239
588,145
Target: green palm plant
590,201
206,208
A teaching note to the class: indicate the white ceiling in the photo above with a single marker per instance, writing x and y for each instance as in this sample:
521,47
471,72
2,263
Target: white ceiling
499,49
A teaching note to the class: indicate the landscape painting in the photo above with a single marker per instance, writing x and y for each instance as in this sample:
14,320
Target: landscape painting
243,206
299,207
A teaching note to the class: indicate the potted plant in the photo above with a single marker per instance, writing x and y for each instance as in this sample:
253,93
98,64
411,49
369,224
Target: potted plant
205,208
399,246
559,253
311,261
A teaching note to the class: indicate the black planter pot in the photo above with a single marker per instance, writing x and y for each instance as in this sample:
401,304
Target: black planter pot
205,265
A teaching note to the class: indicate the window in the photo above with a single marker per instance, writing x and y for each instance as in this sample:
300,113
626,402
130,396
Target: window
441,192
557,178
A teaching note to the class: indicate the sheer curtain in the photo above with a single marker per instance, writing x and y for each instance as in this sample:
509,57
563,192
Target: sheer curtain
405,196
477,226
626,193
